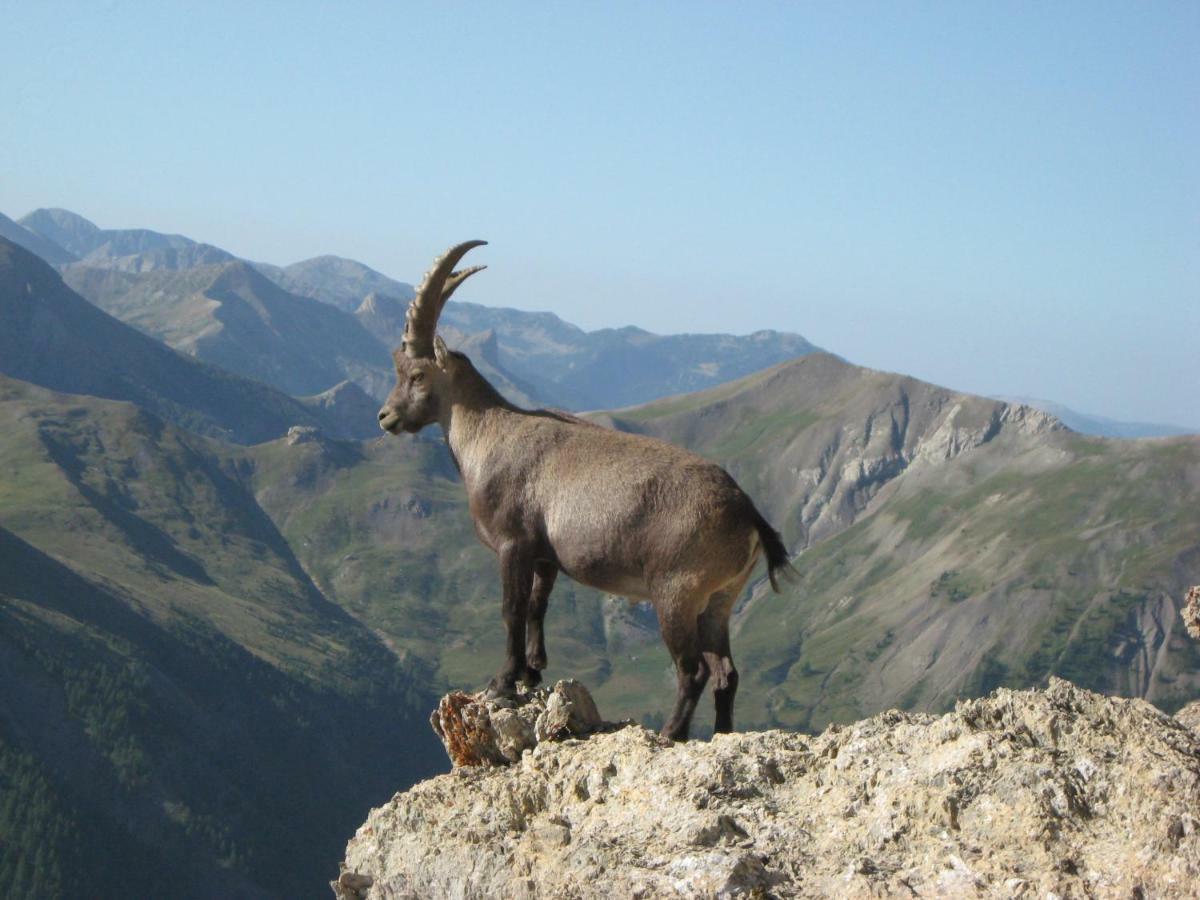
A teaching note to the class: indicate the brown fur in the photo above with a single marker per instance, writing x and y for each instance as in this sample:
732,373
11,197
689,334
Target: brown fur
623,513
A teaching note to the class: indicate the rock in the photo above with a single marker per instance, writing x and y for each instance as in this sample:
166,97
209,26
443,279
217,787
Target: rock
570,710
1020,794
1191,611
1189,716
351,885
478,730
302,434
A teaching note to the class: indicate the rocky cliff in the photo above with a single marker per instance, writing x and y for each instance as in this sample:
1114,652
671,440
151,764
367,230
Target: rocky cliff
1056,792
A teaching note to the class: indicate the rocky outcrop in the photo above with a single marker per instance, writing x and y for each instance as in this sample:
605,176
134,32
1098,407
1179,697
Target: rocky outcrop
478,730
1191,611
1020,794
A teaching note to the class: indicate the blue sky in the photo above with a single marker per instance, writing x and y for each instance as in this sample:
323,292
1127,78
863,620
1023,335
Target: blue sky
1001,198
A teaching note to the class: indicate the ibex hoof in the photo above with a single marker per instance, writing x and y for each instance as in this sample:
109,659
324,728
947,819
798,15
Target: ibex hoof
499,689
531,678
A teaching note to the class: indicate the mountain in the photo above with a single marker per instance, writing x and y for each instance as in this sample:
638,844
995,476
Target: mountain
946,544
346,409
182,712
233,316
68,230
190,629
949,543
34,243
51,336
124,249
569,367
1101,426
341,282
163,285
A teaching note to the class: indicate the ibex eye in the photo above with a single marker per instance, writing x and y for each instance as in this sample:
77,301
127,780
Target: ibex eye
417,376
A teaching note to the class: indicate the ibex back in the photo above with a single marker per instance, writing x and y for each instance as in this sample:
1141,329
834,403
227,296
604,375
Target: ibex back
623,513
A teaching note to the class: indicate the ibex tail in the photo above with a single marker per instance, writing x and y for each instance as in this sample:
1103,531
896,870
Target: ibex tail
777,555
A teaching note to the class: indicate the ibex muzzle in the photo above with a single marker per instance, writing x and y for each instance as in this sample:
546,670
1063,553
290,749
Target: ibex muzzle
622,513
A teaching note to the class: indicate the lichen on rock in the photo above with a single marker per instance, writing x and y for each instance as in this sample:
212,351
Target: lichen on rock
1018,794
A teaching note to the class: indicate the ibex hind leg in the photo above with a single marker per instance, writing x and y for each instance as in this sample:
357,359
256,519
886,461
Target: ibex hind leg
714,647
678,623
544,573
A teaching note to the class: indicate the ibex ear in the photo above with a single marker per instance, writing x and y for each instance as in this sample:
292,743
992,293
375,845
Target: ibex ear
441,353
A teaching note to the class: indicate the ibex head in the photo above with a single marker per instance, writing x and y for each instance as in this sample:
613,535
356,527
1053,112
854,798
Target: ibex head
422,360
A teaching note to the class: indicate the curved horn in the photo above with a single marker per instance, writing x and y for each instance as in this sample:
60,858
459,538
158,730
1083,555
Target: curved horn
457,278
436,287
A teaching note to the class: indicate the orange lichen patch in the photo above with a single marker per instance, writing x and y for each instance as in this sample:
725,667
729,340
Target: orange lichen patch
462,723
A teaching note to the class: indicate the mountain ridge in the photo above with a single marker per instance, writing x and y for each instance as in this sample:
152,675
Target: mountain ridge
524,338
55,338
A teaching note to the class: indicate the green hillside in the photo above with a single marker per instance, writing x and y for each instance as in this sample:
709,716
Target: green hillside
952,544
184,713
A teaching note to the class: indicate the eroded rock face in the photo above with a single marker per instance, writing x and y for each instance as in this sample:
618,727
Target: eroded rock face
1019,794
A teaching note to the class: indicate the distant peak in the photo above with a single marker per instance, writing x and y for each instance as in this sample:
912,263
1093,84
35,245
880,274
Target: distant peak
70,231
238,273
60,218
328,261
377,304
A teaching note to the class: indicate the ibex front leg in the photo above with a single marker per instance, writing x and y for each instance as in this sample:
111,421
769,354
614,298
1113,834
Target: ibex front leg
516,575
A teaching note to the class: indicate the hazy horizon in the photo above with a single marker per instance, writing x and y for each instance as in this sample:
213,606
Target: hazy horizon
1002,201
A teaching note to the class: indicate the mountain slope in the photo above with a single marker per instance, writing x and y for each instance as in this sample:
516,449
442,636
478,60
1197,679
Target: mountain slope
34,243
51,336
125,249
234,317
953,543
340,282
169,675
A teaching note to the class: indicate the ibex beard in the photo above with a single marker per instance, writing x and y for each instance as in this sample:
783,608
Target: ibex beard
623,513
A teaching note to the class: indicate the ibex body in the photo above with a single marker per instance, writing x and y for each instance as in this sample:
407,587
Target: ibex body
623,513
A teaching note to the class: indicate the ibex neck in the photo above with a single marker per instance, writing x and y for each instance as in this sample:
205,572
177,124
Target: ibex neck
472,407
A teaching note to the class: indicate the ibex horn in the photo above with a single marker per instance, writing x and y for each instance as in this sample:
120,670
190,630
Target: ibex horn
436,287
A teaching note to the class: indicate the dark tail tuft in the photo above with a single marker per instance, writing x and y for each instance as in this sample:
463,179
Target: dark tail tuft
777,555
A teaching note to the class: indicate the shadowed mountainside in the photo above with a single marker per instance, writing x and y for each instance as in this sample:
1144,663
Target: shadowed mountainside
33,242
52,337
182,712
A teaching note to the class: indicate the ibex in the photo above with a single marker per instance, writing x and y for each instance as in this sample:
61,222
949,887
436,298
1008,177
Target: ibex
551,492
